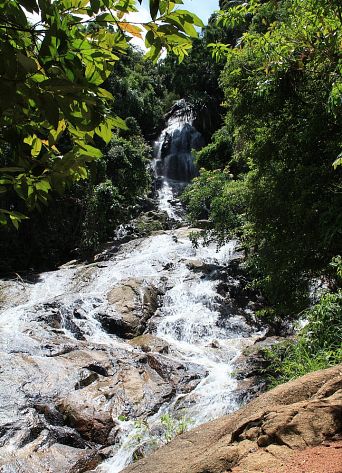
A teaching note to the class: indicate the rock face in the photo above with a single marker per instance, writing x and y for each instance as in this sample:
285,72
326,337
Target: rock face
263,434
133,304
250,366
77,368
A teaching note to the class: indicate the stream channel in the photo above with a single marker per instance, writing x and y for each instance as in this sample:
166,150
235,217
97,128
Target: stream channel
102,362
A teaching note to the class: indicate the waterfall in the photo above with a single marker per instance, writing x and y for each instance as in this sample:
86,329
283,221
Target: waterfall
54,332
173,163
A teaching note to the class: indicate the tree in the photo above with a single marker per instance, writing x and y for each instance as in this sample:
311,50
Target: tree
283,94
52,105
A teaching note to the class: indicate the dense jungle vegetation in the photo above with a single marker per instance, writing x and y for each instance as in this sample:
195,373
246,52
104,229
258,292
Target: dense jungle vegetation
271,175
265,78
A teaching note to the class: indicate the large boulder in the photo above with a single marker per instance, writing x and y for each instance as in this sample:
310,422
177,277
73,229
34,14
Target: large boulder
265,433
132,392
184,376
71,399
131,305
56,458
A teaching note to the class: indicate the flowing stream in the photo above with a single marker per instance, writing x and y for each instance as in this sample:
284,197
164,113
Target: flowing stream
188,319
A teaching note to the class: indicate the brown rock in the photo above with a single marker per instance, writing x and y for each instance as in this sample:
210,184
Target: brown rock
149,343
184,376
195,264
302,413
133,303
263,441
133,391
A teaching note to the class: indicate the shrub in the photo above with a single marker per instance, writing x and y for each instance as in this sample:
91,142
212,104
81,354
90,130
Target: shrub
317,346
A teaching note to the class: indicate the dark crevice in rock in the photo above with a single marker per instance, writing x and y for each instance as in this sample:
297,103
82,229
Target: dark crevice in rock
86,381
97,369
50,413
31,435
68,436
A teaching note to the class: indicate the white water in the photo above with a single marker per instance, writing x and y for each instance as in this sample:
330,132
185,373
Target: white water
188,322
190,307
173,164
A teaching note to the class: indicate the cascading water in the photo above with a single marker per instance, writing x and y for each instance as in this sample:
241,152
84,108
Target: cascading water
46,325
173,162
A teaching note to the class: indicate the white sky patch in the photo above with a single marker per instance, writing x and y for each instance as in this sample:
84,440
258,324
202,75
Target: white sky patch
142,16
32,17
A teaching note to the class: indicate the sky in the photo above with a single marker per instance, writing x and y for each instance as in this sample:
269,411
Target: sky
202,8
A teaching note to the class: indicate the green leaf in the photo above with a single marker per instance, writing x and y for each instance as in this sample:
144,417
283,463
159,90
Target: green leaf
3,219
149,38
154,7
15,217
27,63
43,185
118,123
105,94
89,151
338,161
95,5
104,131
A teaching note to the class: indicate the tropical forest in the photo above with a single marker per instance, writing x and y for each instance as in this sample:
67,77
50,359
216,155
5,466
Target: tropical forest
171,236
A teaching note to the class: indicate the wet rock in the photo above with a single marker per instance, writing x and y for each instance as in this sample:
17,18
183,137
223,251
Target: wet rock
132,392
87,412
200,266
30,388
195,265
106,254
149,222
53,459
60,317
74,400
86,377
237,295
134,304
183,376
139,391
149,343
70,264
168,266
250,367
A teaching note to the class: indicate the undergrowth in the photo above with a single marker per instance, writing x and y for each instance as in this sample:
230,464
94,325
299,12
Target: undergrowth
317,346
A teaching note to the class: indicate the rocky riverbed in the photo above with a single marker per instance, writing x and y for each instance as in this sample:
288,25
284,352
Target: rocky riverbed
90,350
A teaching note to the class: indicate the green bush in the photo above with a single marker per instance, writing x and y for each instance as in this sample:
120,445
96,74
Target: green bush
317,346
215,196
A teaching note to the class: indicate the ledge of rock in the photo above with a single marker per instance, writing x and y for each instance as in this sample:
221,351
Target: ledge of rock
265,433
150,343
